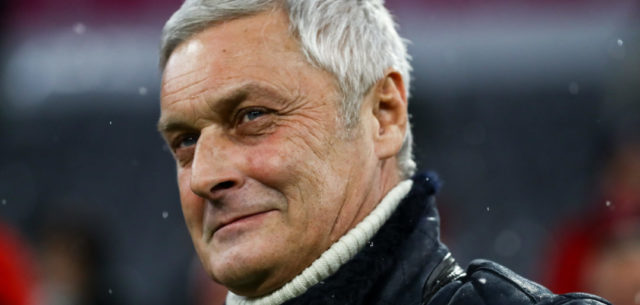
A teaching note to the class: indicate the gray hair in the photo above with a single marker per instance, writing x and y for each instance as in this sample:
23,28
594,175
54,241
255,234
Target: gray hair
355,40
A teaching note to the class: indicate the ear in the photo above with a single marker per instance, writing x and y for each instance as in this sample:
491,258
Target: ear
390,112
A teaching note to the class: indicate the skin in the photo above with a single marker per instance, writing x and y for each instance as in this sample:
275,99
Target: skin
614,272
268,177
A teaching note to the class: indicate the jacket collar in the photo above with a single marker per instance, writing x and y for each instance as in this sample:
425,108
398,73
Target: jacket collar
394,265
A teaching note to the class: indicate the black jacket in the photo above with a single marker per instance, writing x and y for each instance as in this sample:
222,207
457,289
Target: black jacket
406,264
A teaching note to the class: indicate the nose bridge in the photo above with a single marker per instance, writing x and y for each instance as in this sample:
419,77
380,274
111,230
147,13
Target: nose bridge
214,169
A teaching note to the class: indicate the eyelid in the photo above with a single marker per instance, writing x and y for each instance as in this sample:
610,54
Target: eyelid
239,118
177,141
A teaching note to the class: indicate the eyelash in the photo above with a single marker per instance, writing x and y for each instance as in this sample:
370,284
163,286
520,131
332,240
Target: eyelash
245,112
177,143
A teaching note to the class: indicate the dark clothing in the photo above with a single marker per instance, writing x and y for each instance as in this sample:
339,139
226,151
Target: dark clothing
406,264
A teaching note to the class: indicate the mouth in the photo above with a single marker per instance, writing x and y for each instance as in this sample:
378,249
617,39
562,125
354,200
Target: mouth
239,221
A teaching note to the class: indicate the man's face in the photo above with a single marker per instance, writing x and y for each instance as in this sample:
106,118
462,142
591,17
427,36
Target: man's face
268,180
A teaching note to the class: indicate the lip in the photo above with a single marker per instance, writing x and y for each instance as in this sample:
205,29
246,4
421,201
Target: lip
236,220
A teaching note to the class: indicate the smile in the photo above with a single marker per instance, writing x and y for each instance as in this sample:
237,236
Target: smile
241,223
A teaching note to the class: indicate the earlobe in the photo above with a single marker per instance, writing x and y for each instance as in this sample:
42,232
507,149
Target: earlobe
390,111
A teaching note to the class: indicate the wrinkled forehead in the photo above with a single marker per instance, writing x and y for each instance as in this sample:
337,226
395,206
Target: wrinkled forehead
254,49
248,42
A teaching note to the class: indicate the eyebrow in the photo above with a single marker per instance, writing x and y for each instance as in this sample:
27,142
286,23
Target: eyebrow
173,125
224,103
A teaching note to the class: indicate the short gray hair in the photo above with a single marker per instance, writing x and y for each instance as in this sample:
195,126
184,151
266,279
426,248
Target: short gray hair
355,40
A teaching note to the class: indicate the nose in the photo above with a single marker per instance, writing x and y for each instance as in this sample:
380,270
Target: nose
213,169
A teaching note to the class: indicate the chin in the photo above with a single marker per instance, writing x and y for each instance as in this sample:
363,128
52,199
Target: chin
243,270
249,265
256,257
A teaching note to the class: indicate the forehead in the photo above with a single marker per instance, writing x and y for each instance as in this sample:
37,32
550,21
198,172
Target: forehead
256,46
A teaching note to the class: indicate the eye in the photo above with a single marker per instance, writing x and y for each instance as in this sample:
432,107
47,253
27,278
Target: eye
251,115
186,141
254,121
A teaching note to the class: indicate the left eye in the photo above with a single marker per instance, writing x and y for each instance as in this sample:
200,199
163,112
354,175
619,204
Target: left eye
252,115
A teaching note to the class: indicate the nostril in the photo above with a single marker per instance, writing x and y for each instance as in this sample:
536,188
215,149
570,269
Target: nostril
223,186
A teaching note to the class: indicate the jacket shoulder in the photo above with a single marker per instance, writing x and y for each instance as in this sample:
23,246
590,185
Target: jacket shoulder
489,283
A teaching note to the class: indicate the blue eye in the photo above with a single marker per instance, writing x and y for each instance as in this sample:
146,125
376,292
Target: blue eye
253,114
187,141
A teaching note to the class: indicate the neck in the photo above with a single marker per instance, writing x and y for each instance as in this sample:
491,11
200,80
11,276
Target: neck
337,255
372,191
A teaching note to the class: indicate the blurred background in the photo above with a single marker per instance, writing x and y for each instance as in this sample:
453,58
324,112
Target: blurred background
528,110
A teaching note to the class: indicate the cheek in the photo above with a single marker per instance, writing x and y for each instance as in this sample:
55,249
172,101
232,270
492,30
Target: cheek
289,166
192,205
286,163
265,162
277,162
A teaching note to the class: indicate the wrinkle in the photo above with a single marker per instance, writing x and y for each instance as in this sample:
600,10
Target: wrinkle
179,76
190,84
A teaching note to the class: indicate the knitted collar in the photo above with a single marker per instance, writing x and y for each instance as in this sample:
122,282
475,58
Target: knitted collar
336,256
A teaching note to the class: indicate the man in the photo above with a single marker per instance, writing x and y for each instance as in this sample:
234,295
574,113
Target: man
288,121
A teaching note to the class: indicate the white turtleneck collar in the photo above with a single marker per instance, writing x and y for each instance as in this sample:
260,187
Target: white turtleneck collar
337,255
